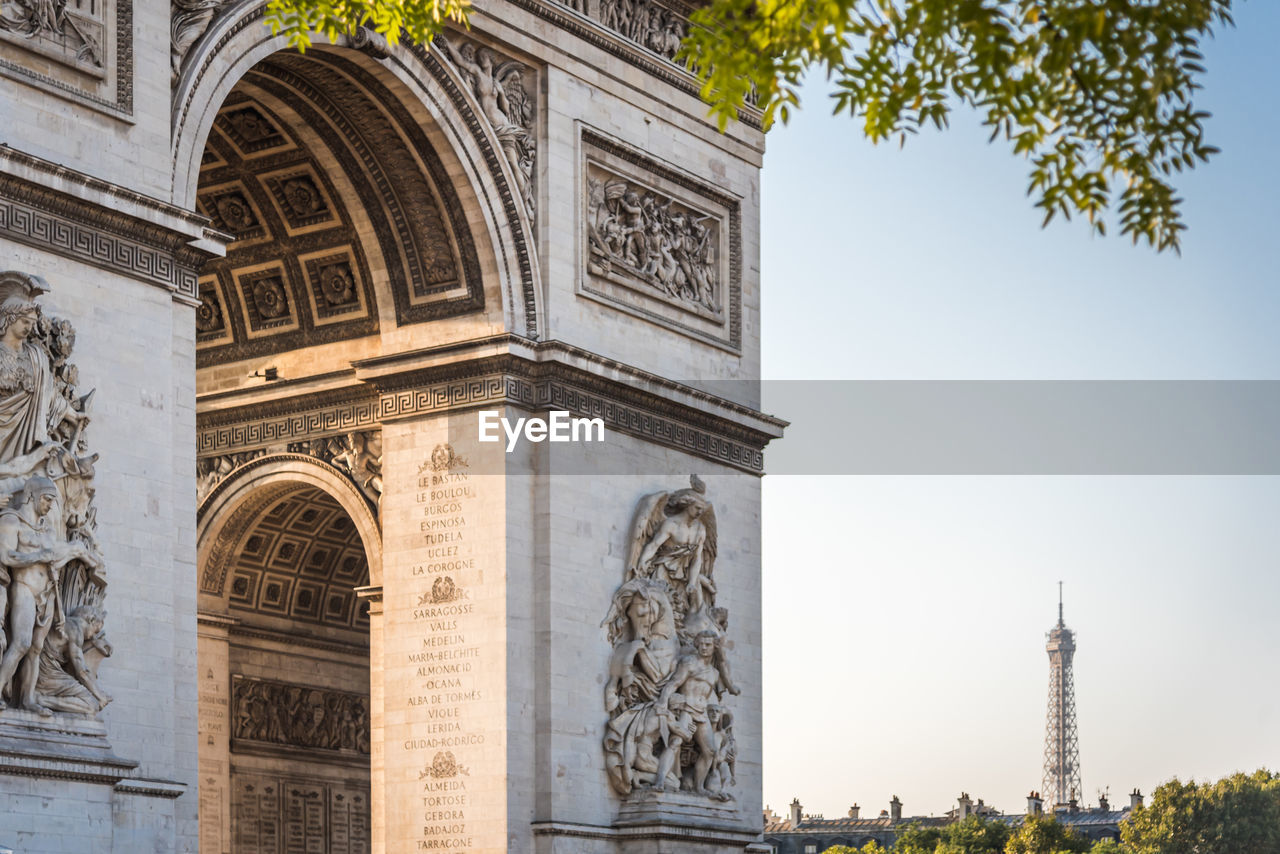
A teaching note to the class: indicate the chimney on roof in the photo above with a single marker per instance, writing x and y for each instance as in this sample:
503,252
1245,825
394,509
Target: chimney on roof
966,807
1135,799
795,812
1103,804
1035,805
1072,806
853,811
895,809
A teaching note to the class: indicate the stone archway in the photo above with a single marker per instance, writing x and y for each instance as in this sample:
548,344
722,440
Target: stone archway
355,238
287,547
434,108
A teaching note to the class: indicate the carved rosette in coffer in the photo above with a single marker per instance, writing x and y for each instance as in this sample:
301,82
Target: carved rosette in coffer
658,243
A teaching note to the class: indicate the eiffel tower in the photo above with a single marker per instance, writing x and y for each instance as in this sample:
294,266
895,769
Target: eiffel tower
1061,782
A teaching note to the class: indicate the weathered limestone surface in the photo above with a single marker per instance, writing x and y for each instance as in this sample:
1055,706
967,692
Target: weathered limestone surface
337,620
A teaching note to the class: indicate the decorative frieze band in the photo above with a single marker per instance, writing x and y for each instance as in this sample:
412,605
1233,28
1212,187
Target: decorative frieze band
269,713
500,381
90,233
323,420
651,55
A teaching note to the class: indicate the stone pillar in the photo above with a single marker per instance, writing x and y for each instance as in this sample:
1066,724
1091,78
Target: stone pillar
443,655
377,726
214,732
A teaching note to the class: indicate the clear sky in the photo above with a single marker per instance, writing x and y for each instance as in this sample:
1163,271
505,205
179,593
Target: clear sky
905,617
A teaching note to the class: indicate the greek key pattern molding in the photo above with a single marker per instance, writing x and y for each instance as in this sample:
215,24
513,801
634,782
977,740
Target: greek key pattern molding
82,232
642,420
309,424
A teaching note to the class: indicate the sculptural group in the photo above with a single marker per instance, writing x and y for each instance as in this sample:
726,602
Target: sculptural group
633,231
52,577
668,726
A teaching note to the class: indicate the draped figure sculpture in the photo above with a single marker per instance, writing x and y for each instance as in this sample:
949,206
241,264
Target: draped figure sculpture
52,577
668,674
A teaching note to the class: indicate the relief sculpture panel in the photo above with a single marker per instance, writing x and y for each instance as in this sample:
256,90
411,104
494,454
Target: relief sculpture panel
659,244
52,573
505,90
669,725
76,49
358,454
277,713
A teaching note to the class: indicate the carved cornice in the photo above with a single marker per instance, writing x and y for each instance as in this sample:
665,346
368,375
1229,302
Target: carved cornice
647,407
599,36
168,789
288,420
708,835
153,243
293,638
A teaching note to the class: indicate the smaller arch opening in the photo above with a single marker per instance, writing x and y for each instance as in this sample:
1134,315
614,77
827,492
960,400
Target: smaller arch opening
300,561
283,656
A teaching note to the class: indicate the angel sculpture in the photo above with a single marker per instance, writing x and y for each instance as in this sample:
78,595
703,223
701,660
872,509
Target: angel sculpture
673,539
499,89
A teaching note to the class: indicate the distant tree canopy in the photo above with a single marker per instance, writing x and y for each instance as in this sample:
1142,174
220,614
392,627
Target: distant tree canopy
1239,814
1045,835
1097,94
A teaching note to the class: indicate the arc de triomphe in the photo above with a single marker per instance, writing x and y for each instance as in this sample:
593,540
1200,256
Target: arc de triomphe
268,586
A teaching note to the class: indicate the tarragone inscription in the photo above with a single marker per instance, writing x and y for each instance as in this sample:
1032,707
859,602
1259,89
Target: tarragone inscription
447,662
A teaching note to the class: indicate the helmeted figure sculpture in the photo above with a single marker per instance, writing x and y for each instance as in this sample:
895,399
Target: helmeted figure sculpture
667,728
51,573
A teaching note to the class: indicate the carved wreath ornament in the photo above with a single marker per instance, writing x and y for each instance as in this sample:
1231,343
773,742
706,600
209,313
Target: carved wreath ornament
668,674
52,574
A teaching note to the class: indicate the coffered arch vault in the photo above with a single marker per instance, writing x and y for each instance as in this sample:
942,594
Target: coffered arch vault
287,537
390,125
344,216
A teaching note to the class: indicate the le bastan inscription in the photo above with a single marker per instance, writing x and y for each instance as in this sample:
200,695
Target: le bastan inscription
446,665
52,574
668,726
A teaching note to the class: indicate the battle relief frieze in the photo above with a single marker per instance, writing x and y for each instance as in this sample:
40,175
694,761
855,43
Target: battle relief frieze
659,244
269,713
78,49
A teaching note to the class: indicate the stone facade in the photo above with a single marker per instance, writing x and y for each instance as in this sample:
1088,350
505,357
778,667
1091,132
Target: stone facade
296,280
